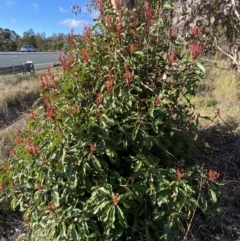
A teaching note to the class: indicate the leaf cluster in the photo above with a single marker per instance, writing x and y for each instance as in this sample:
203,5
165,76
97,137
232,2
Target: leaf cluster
109,156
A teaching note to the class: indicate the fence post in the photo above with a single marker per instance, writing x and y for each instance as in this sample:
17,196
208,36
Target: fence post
30,67
23,69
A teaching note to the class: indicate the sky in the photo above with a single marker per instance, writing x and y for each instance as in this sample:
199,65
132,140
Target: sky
43,16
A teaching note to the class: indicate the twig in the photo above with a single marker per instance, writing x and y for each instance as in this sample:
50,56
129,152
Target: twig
193,215
147,87
226,124
235,9
228,55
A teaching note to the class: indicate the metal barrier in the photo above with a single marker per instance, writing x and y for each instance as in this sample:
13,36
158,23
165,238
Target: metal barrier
17,69
29,67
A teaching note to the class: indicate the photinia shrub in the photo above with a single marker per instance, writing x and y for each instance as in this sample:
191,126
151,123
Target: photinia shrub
110,154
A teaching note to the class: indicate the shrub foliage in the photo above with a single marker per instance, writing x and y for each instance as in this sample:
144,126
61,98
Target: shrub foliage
110,155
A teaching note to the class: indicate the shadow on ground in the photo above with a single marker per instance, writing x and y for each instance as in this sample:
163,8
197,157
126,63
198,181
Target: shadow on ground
220,146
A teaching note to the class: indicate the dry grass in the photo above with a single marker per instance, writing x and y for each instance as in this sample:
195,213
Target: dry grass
13,90
17,96
220,90
219,142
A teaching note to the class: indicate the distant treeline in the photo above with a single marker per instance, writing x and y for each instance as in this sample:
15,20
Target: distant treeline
11,41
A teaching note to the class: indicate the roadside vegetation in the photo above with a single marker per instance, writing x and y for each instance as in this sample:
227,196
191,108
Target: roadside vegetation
17,97
12,41
126,147
218,139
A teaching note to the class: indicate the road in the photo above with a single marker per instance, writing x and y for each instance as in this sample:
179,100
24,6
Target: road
41,59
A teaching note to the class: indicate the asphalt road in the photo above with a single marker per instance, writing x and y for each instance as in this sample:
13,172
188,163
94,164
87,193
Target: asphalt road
41,59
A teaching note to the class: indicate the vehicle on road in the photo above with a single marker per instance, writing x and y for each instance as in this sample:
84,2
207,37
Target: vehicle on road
28,48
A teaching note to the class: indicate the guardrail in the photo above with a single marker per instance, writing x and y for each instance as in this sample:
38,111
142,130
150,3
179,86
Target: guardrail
17,69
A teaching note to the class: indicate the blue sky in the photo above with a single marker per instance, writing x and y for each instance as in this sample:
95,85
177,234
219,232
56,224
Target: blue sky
49,16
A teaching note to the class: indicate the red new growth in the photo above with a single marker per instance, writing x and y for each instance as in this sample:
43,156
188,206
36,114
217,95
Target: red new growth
132,48
115,199
213,175
173,35
196,31
116,4
98,99
119,26
63,61
73,110
100,5
51,112
39,186
109,82
86,32
6,167
18,140
148,14
85,55
128,75
51,207
171,59
32,116
31,147
71,39
92,148
12,152
196,50
179,174
108,20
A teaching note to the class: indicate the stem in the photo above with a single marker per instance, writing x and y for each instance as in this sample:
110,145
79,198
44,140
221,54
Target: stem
193,215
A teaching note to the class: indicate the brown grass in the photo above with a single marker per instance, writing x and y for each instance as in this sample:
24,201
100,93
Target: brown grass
220,90
13,91
218,97
17,97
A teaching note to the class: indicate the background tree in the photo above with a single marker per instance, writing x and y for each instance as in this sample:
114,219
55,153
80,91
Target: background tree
29,38
8,40
41,42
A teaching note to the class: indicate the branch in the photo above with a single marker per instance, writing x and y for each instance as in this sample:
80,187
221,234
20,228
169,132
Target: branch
235,9
228,55
148,88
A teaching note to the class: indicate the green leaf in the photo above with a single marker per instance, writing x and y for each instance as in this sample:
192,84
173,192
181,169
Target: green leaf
201,67
126,205
69,168
122,218
151,110
203,204
56,198
135,132
88,183
110,215
213,196
139,53
161,200
101,206
75,234
108,119
167,7
105,191
63,154
96,163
